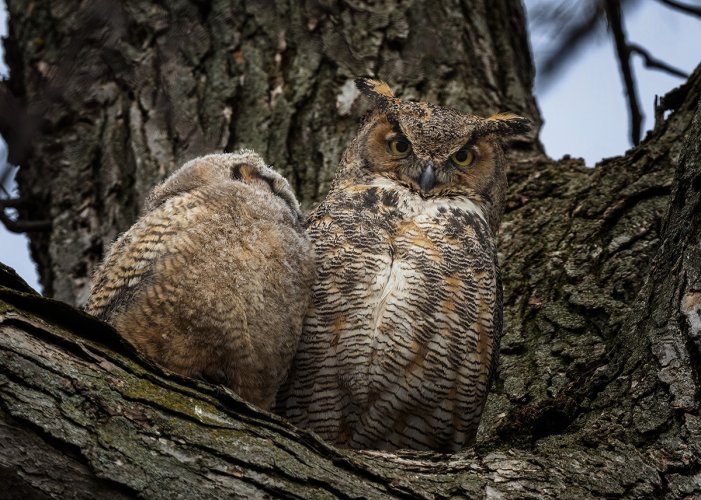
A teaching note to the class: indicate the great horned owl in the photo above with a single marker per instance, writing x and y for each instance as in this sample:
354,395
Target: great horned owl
214,279
401,340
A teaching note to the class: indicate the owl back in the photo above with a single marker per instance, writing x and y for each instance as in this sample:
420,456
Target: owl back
214,279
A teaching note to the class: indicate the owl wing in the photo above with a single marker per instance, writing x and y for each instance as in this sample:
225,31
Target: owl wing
129,264
327,386
118,278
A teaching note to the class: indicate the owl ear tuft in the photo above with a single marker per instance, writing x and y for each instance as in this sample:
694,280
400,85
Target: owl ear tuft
377,90
507,124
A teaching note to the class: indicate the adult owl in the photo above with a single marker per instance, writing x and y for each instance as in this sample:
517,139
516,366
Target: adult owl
400,343
214,279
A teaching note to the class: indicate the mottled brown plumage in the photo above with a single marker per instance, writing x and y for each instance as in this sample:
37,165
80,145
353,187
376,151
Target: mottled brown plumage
401,339
214,279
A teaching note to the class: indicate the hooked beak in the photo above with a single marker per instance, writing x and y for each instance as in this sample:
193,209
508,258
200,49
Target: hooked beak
428,177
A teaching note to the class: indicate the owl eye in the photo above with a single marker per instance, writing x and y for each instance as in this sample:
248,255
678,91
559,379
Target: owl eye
399,147
463,157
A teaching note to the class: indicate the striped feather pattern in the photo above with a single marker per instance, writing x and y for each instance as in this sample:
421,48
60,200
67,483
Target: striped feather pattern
400,341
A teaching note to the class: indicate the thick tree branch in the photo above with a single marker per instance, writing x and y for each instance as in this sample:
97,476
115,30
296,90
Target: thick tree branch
68,399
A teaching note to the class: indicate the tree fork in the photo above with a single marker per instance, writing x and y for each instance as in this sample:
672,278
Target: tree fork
597,393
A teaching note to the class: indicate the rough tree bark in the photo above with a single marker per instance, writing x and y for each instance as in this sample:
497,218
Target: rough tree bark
598,391
117,96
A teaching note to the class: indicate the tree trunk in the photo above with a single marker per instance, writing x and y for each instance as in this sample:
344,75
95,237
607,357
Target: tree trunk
118,95
598,389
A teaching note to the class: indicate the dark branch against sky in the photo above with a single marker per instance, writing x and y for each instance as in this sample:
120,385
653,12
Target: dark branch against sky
566,28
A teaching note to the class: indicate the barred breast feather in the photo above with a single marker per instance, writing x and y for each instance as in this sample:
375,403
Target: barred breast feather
399,345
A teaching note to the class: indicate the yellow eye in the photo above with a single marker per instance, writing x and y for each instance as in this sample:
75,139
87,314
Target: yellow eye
399,147
463,157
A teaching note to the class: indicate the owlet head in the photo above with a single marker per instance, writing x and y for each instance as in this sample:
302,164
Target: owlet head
244,166
436,150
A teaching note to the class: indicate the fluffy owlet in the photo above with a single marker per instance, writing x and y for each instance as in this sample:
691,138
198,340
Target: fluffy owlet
401,339
214,279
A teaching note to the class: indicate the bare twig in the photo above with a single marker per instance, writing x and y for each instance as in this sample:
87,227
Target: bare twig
615,21
4,175
651,62
575,37
687,9
20,226
572,26
12,203
24,226
5,172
